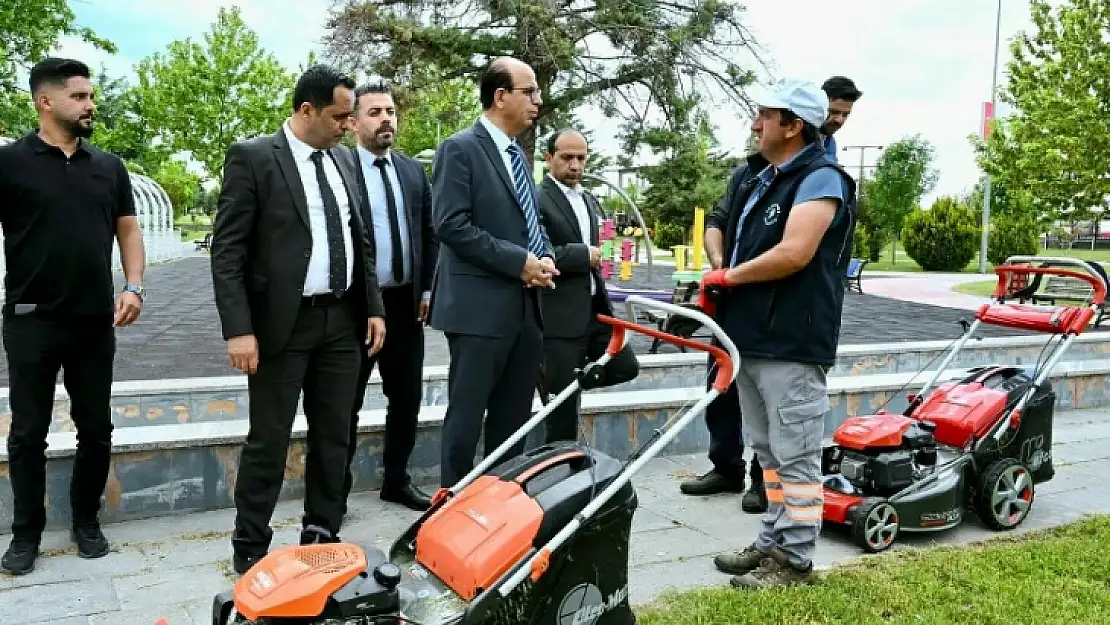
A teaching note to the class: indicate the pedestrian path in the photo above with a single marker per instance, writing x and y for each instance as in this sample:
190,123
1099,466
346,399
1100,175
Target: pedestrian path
172,567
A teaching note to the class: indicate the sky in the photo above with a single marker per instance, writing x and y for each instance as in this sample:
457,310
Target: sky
924,66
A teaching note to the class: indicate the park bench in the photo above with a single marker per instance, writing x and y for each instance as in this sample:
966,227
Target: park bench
684,294
1065,289
854,273
205,243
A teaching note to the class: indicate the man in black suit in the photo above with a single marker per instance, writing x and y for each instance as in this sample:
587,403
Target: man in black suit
292,269
572,334
493,256
397,208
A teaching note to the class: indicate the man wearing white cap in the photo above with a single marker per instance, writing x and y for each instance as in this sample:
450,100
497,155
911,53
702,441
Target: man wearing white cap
784,232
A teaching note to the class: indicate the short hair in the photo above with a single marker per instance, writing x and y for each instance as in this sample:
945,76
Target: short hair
554,138
810,133
317,86
378,86
56,71
841,88
497,75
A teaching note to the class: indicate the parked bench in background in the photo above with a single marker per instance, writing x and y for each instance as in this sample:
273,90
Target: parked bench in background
685,294
205,243
854,273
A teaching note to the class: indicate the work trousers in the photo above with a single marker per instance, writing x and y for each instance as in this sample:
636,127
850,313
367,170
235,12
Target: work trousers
83,348
784,406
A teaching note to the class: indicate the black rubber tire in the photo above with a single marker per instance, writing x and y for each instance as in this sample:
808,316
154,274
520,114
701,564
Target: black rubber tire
859,525
985,489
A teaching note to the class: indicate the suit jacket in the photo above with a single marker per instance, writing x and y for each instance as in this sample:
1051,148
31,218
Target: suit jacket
483,240
417,197
570,307
261,243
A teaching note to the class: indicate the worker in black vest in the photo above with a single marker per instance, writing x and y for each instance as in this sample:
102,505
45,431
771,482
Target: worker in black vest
786,236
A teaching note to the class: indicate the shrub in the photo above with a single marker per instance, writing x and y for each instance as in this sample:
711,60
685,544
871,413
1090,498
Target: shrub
668,235
943,238
1011,235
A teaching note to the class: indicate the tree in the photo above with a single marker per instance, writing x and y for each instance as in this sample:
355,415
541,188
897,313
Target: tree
622,55
903,174
943,238
690,174
434,111
201,99
121,127
30,30
1056,145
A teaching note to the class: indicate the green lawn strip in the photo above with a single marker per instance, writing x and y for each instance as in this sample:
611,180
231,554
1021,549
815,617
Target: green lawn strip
1054,576
981,288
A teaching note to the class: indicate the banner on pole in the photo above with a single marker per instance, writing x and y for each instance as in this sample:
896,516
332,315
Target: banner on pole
985,124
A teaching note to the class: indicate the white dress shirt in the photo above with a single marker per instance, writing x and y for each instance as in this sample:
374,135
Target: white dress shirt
319,267
502,141
379,215
578,203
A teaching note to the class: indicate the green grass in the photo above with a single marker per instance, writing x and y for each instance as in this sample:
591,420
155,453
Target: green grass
980,288
1056,576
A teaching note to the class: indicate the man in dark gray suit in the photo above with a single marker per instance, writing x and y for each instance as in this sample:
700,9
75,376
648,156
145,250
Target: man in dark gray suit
572,334
494,254
295,287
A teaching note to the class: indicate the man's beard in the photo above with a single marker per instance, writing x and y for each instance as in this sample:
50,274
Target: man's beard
829,129
77,129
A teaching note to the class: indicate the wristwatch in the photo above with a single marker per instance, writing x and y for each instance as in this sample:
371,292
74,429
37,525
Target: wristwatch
136,289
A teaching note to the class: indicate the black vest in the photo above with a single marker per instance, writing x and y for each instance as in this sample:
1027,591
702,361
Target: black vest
796,318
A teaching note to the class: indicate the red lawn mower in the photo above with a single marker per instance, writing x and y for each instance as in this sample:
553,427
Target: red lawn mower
981,442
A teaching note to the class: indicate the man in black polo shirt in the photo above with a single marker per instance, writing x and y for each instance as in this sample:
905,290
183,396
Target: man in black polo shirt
63,203
785,234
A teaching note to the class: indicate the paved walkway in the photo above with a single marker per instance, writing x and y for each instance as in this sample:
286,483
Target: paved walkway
936,289
178,334
172,567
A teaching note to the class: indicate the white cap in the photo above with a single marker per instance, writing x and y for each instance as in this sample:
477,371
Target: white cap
803,98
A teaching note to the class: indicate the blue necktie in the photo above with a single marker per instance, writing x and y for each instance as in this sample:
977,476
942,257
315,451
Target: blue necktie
527,200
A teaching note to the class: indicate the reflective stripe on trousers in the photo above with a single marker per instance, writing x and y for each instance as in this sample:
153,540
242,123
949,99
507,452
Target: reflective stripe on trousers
783,406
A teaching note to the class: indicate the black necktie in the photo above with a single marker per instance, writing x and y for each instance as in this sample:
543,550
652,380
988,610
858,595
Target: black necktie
337,253
394,227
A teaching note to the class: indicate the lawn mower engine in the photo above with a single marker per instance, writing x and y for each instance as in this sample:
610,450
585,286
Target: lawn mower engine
886,455
448,567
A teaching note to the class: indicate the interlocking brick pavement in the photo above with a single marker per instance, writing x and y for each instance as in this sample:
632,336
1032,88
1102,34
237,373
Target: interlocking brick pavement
178,334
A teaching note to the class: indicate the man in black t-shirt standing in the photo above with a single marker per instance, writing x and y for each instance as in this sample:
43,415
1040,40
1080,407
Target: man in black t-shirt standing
63,203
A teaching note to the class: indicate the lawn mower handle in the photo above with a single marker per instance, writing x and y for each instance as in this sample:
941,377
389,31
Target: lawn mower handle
1097,282
727,364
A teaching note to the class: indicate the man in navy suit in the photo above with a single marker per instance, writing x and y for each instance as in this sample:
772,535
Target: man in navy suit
494,255
397,208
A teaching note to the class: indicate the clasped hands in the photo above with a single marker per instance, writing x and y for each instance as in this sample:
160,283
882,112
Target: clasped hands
539,272
712,282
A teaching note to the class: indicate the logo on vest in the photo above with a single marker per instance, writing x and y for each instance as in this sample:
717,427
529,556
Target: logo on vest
771,215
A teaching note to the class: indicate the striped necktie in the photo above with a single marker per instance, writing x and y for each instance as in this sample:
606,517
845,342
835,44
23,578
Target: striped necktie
527,200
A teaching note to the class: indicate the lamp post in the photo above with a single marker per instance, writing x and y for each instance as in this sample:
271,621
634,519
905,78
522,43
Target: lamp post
987,182
862,149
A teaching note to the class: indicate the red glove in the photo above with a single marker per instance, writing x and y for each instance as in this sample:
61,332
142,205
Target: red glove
711,284
714,278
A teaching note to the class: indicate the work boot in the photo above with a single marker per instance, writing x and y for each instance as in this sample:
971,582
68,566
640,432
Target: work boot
755,500
739,563
712,483
774,570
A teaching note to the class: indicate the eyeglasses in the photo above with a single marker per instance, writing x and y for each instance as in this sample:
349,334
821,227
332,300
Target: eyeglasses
531,92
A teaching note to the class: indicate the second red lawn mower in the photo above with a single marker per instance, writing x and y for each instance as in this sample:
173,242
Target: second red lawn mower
538,539
980,443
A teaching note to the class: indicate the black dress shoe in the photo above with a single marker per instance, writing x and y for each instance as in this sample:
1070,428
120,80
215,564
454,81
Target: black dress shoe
755,500
91,542
242,563
20,557
316,535
408,495
712,483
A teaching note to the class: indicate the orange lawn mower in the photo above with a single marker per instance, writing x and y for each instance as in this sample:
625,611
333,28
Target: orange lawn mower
539,539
